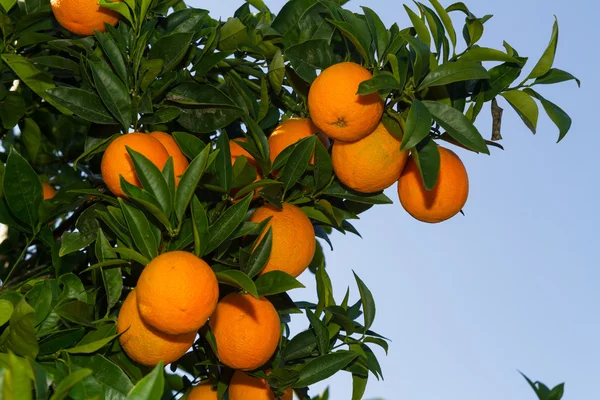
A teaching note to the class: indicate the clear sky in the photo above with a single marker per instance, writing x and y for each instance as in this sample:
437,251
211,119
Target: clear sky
514,284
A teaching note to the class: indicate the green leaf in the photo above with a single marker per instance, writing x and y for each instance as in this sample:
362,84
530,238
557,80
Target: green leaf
378,31
260,256
113,93
6,311
20,335
200,227
422,55
189,182
353,34
92,347
320,330
300,346
2,170
446,20
40,299
113,54
276,282
140,230
17,385
545,63
359,385
478,54
338,191
223,162
377,83
457,125
190,145
525,107
31,136
555,75
235,278
277,72
501,77
35,79
323,367
473,30
418,125
75,241
298,161
427,157
7,4
310,56
12,109
560,118
420,27
64,386
161,116
227,223
86,105
107,379
208,119
367,301
22,189
171,49
119,7
233,34
152,180
151,386
323,171
454,72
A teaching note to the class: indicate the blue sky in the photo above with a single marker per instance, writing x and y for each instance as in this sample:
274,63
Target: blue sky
513,285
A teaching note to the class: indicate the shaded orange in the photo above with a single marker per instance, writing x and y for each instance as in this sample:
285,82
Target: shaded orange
370,164
337,109
144,344
290,132
293,243
83,17
48,191
116,160
246,387
177,292
203,391
180,161
446,199
247,331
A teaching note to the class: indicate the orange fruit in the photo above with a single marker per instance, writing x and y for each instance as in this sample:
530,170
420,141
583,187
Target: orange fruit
246,329
144,344
116,160
246,387
83,17
203,391
48,191
290,132
370,164
177,292
293,243
446,199
335,107
180,161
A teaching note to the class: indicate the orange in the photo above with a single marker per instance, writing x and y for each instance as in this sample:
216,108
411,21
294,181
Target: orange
48,191
83,17
116,160
246,387
290,132
246,329
203,391
180,161
337,109
446,199
370,164
177,292
293,243
144,344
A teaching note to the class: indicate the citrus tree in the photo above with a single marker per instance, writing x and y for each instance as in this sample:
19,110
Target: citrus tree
165,176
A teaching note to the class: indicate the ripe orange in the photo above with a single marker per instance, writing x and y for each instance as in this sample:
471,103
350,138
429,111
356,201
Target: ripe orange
180,161
290,132
177,292
293,243
446,199
48,191
247,331
144,344
83,17
246,387
116,161
370,164
336,108
202,391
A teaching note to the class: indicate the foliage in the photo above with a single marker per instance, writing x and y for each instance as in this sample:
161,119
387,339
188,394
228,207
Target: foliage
68,262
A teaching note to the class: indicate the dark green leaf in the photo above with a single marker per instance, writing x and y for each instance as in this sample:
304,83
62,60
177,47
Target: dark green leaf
310,56
190,145
20,335
418,125
427,157
377,83
12,109
300,346
379,32
367,301
321,332
189,182
337,190
525,107
276,282
237,279
161,116
555,75
457,125
501,77
151,386
85,104
140,230
560,118
31,135
200,227
227,223
113,54
454,72
260,256
277,72
171,49
64,386
223,162
298,161
6,311
446,20
420,27
22,189
323,367
107,380
40,299
478,54
323,171
152,180
113,93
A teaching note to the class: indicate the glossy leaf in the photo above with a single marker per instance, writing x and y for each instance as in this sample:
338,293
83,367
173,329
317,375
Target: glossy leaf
427,157
560,118
22,189
237,279
140,230
113,92
228,222
189,182
555,75
323,367
525,107
275,282
64,386
478,54
260,256
418,125
298,161
545,63
151,386
171,49
321,332
85,104
454,72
